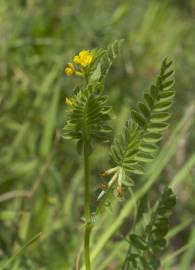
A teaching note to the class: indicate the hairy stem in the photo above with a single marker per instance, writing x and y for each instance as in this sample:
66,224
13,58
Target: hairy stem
87,208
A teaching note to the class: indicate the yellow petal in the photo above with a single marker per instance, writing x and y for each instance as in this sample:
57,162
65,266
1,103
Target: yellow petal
69,71
76,59
83,53
71,65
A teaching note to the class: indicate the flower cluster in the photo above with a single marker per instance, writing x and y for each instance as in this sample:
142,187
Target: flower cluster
84,58
82,61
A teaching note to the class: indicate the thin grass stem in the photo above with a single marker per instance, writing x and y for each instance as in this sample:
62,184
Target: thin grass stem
87,209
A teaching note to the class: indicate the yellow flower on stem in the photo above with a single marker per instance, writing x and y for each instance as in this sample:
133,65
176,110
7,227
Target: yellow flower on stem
84,58
69,70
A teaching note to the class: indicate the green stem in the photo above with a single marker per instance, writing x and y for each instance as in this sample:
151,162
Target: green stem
87,208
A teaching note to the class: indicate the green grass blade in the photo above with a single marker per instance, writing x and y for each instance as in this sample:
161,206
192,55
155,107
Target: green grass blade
183,172
49,127
4,265
189,253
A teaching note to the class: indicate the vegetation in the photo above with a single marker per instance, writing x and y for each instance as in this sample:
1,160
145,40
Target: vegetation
131,160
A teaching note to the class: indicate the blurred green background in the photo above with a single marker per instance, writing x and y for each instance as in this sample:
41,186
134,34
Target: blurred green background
40,174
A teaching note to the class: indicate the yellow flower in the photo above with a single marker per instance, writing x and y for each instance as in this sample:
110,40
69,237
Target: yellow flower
84,58
69,70
76,59
69,101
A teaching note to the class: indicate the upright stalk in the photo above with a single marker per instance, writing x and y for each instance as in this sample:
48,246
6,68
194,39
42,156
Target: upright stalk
87,208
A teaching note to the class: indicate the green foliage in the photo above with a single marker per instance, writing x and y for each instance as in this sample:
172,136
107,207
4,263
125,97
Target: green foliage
7,263
145,248
37,40
108,57
88,115
135,147
137,142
